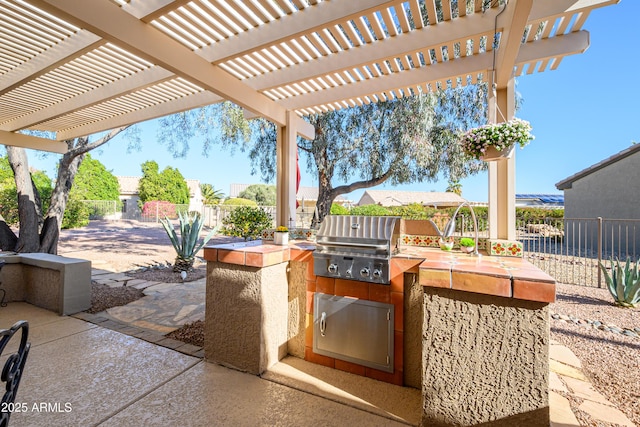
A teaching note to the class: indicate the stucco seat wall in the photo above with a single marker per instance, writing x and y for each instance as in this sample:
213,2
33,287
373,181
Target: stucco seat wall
53,282
485,359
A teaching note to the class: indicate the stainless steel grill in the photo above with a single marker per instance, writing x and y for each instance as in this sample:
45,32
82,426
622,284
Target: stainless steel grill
356,247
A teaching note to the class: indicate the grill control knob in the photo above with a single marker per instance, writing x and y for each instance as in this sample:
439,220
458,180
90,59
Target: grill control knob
333,268
377,273
364,272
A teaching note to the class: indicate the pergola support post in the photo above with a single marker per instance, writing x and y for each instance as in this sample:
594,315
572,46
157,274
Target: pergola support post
286,172
502,173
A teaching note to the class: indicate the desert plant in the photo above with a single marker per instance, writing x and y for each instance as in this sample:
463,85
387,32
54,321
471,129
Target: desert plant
623,282
186,245
247,222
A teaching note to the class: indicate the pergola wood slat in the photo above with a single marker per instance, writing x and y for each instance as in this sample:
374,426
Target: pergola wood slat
292,50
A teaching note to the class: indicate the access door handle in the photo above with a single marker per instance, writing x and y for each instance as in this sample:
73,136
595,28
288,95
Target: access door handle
323,323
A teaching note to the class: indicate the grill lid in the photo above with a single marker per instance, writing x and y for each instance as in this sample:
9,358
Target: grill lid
356,247
354,233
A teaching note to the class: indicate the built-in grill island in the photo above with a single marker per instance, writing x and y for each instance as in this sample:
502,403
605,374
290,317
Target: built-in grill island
351,329
356,247
264,302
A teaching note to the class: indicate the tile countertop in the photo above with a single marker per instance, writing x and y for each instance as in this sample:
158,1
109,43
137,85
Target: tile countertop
500,276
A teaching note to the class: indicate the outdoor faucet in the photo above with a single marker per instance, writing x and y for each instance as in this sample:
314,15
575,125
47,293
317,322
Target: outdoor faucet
451,226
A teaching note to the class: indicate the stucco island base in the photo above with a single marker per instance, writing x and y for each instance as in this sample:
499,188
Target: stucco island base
485,360
246,316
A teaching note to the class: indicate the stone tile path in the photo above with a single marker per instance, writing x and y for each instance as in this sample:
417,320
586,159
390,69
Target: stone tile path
566,378
164,308
168,306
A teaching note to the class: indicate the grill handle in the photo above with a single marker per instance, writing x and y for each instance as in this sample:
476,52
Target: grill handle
354,245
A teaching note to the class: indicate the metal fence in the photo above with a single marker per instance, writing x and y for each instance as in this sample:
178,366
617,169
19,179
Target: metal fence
158,212
103,209
571,249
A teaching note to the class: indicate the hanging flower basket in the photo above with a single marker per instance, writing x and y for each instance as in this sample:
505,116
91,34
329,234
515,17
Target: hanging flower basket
496,141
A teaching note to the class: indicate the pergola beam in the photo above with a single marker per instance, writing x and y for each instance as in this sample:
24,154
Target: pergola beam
33,142
543,10
108,21
306,21
403,44
103,94
516,15
535,51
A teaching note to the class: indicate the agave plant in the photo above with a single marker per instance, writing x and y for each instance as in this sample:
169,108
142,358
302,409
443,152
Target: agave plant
623,282
186,245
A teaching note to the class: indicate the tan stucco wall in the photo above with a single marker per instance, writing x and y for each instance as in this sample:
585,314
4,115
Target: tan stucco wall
413,316
484,359
49,281
611,192
246,316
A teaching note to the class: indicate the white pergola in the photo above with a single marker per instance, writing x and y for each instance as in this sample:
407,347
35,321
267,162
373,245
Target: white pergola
78,67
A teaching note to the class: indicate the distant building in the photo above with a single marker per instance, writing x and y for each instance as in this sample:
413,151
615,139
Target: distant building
306,196
129,194
609,189
540,200
402,198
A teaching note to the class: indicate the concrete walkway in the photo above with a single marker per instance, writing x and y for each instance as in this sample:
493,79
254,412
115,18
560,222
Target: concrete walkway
118,368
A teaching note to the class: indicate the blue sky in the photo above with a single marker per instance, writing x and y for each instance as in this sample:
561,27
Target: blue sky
581,113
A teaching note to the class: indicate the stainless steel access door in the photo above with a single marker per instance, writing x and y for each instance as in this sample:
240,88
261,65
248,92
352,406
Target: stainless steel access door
354,330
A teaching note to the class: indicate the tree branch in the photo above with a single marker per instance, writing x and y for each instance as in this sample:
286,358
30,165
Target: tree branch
85,148
343,189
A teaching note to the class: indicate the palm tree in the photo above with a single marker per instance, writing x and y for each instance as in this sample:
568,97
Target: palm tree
455,187
210,195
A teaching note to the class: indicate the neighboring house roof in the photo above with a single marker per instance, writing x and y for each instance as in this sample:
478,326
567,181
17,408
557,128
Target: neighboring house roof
568,182
307,193
129,185
547,199
401,198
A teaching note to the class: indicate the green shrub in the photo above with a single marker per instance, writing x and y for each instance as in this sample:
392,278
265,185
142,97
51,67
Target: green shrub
247,222
338,210
413,211
76,214
237,201
623,282
370,210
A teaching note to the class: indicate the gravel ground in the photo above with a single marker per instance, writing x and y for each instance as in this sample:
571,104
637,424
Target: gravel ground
611,361
104,297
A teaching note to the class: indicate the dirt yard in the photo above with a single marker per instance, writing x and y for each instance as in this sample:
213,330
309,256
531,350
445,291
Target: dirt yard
122,245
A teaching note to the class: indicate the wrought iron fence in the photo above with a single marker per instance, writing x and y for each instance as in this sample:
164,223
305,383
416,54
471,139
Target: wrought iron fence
103,209
571,249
